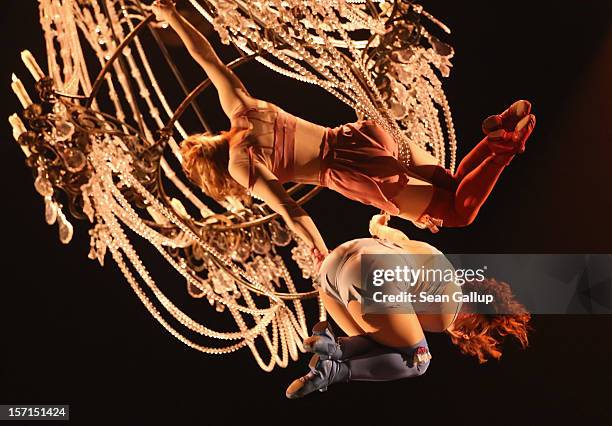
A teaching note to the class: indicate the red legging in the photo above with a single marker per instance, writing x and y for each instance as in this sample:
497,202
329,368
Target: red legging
458,198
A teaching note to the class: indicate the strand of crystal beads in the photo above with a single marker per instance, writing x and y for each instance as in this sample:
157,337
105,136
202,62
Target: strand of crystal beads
273,345
145,94
153,240
97,31
360,19
286,338
289,323
149,71
382,117
150,235
356,56
326,53
283,360
109,41
89,28
266,367
119,236
46,25
118,258
452,136
348,84
61,36
302,328
155,203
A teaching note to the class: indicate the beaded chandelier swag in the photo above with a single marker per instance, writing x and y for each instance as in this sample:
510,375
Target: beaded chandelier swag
101,141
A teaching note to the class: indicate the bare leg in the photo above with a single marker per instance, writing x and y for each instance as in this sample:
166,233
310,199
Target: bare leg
340,315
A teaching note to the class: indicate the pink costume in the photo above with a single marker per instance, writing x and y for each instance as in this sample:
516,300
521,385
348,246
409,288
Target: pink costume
358,160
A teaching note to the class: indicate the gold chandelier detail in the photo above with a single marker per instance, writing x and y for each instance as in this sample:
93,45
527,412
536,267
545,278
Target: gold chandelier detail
102,146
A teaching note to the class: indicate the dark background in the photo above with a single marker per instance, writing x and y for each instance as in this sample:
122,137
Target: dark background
74,333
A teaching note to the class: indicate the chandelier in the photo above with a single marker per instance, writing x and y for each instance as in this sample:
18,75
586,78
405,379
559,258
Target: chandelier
100,140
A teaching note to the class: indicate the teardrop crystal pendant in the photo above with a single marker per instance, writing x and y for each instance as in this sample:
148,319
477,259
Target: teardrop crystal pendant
63,131
241,253
43,186
74,160
50,211
280,236
65,229
260,241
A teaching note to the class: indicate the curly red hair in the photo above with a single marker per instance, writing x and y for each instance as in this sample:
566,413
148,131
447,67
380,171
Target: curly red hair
481,334
205,161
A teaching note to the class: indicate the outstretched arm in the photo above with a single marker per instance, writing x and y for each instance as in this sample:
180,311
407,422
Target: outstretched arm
267,187
232,92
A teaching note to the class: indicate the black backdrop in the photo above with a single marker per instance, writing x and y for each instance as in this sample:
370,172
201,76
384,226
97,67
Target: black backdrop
74,333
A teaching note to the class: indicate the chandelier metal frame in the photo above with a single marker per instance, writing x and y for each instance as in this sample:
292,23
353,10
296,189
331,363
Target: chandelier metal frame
111,165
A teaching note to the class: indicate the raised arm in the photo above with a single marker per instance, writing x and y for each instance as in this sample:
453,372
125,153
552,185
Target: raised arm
267,187
232,92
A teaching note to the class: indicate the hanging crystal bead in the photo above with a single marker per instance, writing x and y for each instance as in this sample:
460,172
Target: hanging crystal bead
66,230
43,186
50,211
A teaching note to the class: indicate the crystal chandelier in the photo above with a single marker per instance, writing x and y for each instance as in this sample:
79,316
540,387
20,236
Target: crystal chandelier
102,146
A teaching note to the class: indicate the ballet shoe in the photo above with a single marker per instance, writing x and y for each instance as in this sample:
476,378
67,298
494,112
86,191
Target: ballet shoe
506,144
322,374
508,119
323,342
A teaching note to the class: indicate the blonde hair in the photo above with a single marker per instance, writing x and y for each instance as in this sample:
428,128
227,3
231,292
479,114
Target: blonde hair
205,162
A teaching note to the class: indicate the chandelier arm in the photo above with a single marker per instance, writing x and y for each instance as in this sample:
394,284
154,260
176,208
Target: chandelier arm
177,74
283,296
118,52
120,60
191,226
372,8
69,96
